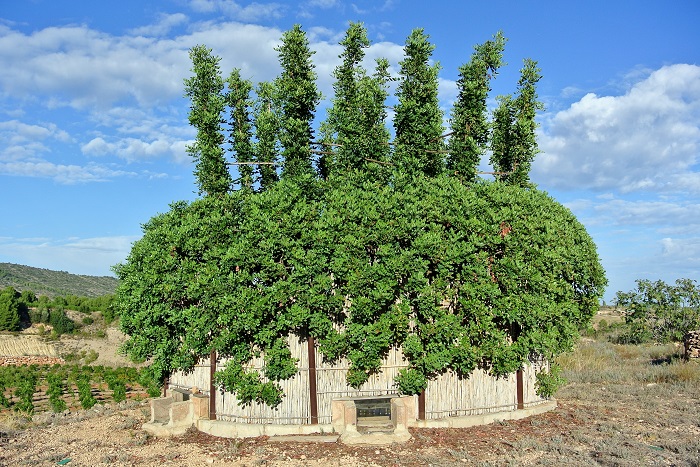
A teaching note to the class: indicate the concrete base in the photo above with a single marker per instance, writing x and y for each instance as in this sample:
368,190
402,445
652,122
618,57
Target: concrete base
375,439
175,414
224,429
487,418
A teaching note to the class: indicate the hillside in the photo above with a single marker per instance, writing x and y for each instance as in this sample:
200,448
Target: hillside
54,283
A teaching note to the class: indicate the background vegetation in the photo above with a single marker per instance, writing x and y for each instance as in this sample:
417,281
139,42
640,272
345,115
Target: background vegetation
54,283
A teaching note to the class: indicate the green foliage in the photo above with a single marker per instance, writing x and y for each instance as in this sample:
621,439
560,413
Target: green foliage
10,309
83,382
419,146
458,273
469,124
460,276
548,382
238,99
55,392
204,90
514,143
4,401
117,384
659,311
355,136
266,120
298,99
26,387
60,322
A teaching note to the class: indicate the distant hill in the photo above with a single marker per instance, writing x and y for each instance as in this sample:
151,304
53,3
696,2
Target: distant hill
54,283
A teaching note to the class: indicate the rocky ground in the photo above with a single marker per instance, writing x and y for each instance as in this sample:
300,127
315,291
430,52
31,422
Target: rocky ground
623,406
594,425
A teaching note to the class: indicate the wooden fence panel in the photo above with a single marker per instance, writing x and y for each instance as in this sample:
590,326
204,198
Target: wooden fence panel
446,396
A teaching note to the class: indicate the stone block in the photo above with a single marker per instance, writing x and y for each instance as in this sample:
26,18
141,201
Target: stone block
400,414
343,415
180,413
160,409
200,406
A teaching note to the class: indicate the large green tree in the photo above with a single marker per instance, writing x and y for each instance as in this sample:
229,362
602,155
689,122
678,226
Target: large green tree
241,127
266,121
355,135
659,311
457,272
514,144
10,309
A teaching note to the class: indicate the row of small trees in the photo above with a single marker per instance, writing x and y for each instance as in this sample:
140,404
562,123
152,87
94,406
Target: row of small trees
19,385
271,124
363,243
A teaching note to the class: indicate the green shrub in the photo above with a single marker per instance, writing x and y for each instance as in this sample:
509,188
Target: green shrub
55,392
548,382
10,309
60,322
87,400
25,392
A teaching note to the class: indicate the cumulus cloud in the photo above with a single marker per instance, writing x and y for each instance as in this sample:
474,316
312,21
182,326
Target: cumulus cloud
671,215
133,149
82,68
645,140
234,10
67,174
163,26
22,141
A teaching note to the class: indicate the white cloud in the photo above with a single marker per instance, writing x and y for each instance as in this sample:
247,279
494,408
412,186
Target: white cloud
66,174
325,4
162,27
21,141
647,139
133,149
252,12
680,214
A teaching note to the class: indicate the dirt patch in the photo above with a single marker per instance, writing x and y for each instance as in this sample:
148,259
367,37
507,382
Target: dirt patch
21,345
593,425
36,341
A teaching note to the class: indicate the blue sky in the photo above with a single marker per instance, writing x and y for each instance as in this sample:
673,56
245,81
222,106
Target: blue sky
93,122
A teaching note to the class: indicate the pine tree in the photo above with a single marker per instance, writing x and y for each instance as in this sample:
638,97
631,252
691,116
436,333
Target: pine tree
10,307
299,97
205,91
418,119
469,124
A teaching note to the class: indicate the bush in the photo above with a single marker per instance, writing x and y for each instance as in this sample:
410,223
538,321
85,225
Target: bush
55,392
87,400
60,322
548,382
25,392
